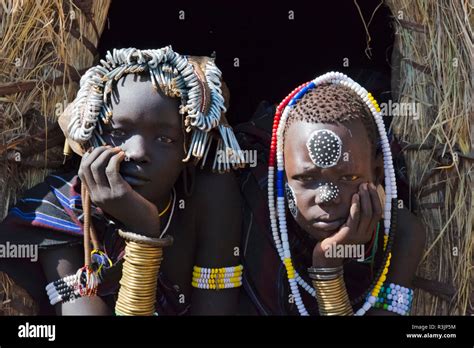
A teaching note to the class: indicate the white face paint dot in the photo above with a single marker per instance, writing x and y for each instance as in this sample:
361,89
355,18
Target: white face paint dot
324,153
291,198
327,191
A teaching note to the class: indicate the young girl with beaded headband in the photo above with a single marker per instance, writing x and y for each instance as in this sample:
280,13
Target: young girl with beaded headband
330,164
141,121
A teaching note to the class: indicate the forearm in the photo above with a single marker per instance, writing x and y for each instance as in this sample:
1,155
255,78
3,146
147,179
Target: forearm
63,262
93,305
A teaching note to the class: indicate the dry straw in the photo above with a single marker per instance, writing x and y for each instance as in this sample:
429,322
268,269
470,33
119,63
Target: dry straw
44,47
434,45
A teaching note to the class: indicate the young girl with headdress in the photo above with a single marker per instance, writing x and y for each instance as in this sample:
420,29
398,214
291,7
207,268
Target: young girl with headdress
135,229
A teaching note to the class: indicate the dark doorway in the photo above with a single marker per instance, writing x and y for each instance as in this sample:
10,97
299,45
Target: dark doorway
275,52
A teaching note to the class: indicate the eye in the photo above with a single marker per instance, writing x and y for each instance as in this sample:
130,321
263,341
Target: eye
164,139
349,177
304,178
117,133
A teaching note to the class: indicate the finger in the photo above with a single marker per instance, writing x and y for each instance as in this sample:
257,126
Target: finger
376,207
365,211
85,167
99,165
354,213
90,157
343,235
113,170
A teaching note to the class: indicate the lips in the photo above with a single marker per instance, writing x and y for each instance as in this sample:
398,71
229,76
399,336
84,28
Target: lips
327,225
135,179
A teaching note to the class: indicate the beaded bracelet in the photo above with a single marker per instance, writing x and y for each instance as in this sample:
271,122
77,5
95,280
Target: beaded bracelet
217,278
393,298
64,295
67,288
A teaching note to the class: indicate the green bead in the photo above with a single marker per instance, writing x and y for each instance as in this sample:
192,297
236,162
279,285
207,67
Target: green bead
385,306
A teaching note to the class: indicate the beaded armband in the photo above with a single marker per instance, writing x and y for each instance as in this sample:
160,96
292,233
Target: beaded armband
217,278
393,298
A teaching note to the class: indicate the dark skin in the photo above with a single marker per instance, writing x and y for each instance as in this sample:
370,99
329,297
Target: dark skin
146,140
351,217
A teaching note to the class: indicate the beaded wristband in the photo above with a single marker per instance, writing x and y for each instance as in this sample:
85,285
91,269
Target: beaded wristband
393,298
67,288
217,278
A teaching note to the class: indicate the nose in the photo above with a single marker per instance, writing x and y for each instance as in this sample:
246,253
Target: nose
136,150
327,192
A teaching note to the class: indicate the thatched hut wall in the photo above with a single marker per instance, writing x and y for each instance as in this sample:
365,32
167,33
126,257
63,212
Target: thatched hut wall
44,48
433,62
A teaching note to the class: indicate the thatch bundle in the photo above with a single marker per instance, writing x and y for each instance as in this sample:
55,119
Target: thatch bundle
434,45
14,299
44,48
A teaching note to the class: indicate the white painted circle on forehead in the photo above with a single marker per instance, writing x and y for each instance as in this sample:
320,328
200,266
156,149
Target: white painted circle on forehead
324,147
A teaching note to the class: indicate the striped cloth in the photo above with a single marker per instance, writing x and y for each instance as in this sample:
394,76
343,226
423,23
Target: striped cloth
55,204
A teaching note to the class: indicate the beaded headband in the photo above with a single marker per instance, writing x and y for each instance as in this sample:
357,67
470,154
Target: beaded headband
195,80
278,216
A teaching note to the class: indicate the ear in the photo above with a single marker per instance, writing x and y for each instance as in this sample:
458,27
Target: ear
63,122
378,169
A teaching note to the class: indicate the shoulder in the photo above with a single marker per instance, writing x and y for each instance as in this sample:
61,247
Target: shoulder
216,191
411,233
217,201
407,249
226,181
